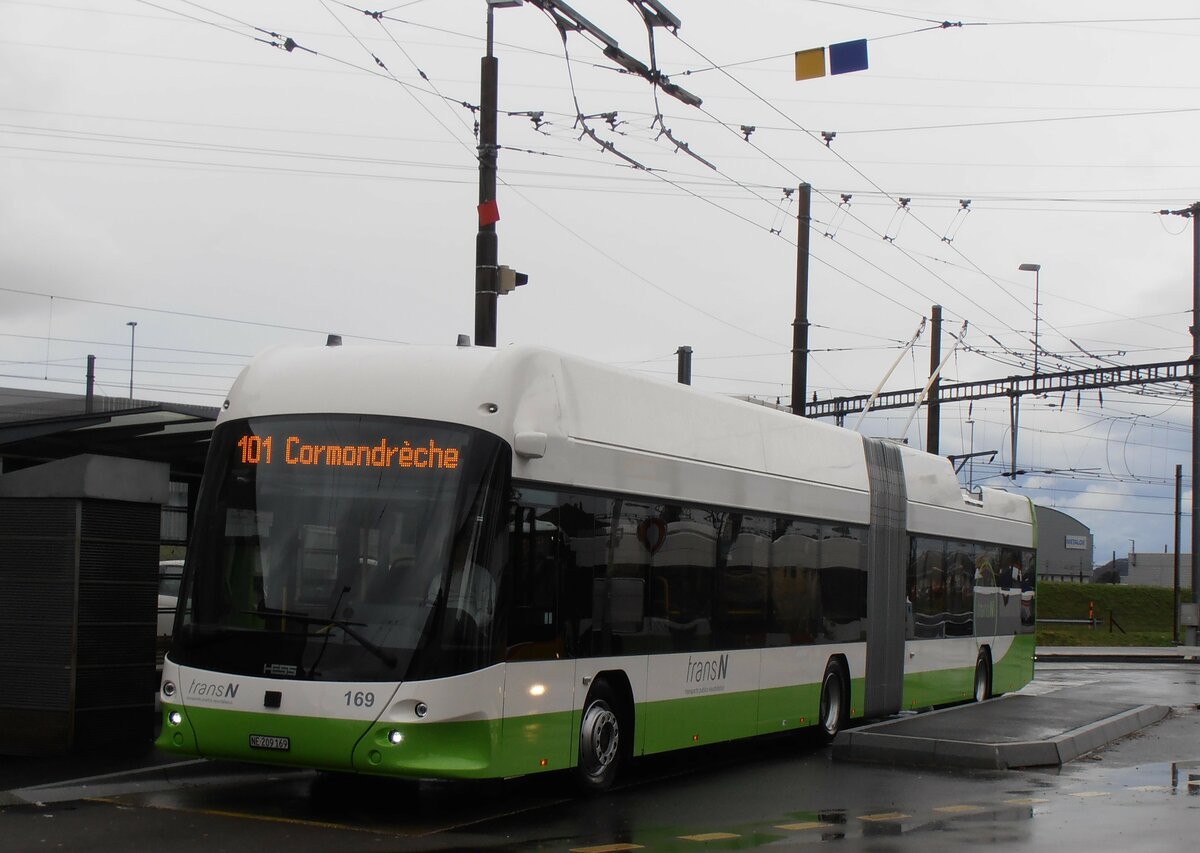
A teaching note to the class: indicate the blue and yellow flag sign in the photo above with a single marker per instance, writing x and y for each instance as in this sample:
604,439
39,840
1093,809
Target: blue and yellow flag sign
844,57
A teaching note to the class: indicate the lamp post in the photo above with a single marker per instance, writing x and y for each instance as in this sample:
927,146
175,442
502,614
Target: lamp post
132,324
1036,269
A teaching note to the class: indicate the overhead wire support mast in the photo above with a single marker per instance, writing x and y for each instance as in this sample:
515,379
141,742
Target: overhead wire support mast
1193,213
487,265
1043,383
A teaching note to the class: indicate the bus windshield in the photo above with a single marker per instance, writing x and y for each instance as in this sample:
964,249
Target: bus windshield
344,548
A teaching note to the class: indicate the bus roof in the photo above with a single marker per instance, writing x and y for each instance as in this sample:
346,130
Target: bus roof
579,423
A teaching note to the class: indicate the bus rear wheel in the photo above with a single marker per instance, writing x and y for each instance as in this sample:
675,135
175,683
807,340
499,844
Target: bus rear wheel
600,747
831,714
983,678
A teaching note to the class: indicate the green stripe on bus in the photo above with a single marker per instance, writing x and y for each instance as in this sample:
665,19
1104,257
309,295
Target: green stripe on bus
480,749
1015,669
938,687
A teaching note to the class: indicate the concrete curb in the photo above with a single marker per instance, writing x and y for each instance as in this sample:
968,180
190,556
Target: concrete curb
1114,657
875,745
160,777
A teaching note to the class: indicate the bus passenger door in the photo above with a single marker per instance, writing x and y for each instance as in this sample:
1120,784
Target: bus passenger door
539,679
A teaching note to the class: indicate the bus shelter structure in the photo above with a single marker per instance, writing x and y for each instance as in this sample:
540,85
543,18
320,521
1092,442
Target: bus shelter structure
84,483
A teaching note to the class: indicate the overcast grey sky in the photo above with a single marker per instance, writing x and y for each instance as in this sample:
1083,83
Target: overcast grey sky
161,162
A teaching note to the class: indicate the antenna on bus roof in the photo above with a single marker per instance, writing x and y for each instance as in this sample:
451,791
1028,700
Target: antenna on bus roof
464,340
333,341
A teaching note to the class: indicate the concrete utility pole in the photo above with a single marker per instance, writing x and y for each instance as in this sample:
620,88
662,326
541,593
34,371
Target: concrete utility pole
800,326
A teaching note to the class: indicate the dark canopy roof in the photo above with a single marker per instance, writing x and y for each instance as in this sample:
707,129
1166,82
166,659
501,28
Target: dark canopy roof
39,426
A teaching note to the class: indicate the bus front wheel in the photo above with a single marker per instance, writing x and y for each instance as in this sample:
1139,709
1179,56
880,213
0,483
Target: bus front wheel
599,740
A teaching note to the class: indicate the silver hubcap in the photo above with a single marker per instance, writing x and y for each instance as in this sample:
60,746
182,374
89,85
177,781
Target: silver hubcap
599,738
980,682
831,703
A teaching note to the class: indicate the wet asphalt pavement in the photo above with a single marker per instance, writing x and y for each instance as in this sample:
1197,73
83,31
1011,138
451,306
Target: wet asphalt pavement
1140,793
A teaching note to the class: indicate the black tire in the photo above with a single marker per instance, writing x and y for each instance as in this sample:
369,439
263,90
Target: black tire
833,711
983,678
600,748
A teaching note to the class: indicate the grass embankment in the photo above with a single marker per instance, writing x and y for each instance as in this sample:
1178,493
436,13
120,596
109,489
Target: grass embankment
1145,612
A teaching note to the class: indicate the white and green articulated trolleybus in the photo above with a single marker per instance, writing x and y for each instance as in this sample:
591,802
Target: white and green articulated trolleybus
461,562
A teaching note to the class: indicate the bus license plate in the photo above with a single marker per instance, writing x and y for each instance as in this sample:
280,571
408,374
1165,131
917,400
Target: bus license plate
270,742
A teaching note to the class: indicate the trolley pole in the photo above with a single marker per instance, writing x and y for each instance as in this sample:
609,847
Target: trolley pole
800,327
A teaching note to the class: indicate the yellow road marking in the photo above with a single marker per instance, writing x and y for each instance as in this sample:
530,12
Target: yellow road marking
1026,801
959,809
1153,789
884,816
319,824
710,836
606,848
800,827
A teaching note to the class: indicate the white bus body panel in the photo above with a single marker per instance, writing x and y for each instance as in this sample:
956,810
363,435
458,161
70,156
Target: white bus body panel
605,429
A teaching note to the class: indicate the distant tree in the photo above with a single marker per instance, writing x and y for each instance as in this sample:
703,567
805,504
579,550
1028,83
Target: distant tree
1108,574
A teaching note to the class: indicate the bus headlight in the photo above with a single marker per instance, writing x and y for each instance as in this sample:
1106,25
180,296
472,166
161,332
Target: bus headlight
168,689
395,738
174,718
421,709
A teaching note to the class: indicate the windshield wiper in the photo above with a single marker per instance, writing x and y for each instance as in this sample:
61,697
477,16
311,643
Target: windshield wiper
331,622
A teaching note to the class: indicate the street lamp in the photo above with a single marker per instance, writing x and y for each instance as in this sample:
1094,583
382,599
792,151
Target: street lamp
1036,269
132,324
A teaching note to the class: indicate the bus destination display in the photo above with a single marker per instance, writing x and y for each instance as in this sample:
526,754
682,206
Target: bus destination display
378,453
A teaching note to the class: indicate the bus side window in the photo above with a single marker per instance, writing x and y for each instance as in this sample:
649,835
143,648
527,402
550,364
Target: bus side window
685,566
